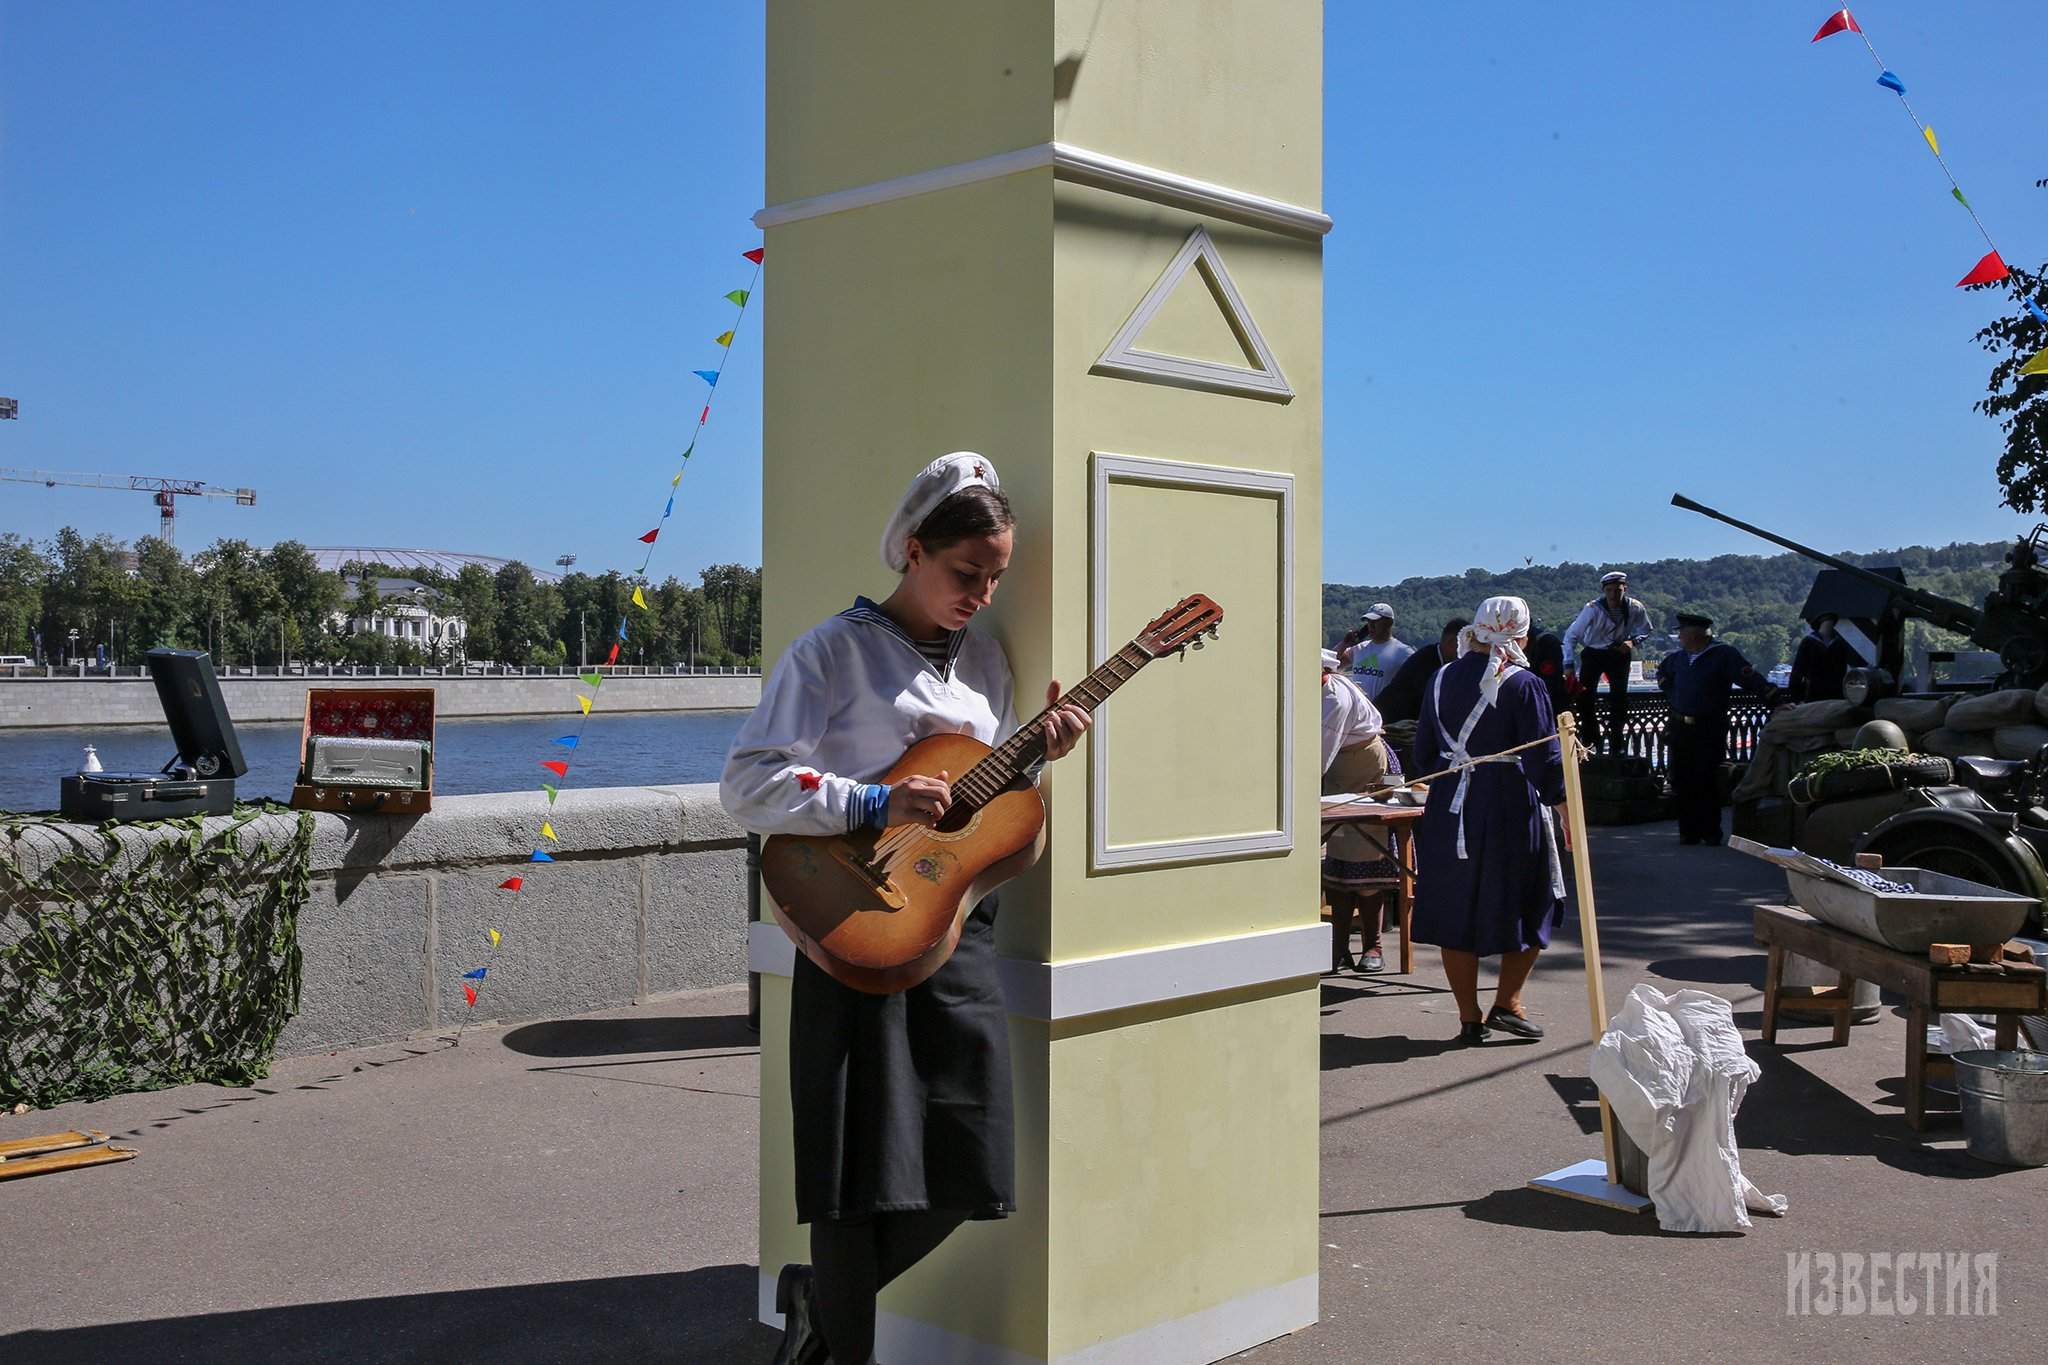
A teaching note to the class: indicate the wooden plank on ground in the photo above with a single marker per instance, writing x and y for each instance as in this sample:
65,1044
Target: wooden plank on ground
63,1161
48,1142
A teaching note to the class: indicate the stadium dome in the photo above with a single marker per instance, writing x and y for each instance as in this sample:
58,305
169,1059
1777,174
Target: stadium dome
332,557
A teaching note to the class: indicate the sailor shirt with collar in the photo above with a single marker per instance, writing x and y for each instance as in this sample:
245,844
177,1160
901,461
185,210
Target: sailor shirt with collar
842,704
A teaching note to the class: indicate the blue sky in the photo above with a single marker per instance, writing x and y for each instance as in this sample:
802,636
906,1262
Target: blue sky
437,276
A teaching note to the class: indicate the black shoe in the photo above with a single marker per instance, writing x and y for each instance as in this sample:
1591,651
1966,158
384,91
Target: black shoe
1471,1033
1507,1022
1375,962
796,1300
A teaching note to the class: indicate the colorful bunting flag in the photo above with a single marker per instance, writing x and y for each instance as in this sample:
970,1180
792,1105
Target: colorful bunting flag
622,629
552,790
756,254
612,657
511,883
678,478
2038,365
669,510
639,598
469,993
583,702
708,376
1891,82
557,767
594,678
1928,133
704,416
540,855
2039,315
1959,198
1841,21
567,741
1990,270
495,936
547,832
724,338
476,975
649,538
738,296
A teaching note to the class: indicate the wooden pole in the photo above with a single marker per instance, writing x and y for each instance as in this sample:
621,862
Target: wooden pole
1589,923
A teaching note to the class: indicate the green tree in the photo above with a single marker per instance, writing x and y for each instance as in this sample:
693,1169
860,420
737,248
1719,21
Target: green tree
2017,402
473,595
87,591
23,572
309,596
169,604
244,600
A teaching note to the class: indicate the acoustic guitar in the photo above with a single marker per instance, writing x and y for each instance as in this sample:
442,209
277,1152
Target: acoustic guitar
882,910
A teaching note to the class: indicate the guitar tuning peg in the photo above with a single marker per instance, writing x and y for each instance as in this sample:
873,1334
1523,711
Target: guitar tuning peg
1198,642
1215,632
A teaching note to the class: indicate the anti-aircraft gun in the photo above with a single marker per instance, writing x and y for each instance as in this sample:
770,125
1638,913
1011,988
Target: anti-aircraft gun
2012,623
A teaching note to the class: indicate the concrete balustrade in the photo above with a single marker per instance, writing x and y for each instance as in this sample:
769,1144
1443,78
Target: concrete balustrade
647,896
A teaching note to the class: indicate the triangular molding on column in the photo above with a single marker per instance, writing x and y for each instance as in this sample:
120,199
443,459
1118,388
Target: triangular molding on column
1124,360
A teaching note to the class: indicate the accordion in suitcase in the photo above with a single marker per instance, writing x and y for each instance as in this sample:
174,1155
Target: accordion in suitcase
367,749
347,761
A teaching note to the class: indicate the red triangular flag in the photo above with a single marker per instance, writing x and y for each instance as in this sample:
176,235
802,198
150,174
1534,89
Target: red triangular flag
557,767
1987,271
648,539
756,254
704,416
1841,21
613,657
469,991
511,883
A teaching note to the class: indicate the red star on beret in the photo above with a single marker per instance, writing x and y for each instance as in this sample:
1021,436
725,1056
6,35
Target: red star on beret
808,780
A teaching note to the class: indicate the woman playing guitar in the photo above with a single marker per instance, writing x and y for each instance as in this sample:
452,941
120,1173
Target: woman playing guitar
900,1103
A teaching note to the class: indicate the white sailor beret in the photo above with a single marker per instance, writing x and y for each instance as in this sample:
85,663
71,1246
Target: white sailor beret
936,482
1617,576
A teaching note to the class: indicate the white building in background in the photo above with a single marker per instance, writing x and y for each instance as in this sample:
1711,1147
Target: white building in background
407,611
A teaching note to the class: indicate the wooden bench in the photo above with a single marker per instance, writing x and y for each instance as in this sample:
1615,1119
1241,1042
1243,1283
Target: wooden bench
1399,823
2006,990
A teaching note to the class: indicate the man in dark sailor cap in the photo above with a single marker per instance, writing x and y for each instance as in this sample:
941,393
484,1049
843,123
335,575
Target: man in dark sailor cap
1697,677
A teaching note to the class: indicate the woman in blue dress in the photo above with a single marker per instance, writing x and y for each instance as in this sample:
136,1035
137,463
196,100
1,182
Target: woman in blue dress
1489,881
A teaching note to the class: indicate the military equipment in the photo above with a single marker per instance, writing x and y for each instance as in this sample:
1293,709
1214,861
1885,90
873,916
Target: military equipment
2012,623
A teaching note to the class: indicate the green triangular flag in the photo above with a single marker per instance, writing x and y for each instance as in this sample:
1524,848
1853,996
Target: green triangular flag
1959,198
594,678
738,296
550,790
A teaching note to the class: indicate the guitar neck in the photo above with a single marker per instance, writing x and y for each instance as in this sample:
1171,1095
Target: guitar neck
1011,759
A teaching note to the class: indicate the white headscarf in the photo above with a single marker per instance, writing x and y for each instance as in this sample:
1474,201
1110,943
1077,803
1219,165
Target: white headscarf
1496,627
936,482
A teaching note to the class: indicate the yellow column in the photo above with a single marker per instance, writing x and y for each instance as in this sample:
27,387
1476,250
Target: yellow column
1080,236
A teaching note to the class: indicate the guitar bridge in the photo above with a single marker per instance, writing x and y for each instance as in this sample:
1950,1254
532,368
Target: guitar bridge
874,876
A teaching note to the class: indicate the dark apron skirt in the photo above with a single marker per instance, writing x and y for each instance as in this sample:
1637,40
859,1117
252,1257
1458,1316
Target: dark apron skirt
903,1101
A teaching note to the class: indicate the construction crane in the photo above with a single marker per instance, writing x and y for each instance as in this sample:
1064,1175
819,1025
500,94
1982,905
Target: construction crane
167,491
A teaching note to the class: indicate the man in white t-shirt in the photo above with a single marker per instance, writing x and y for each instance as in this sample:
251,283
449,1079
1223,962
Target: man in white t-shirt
1371,652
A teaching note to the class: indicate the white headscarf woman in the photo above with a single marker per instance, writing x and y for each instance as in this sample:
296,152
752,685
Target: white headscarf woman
1499,627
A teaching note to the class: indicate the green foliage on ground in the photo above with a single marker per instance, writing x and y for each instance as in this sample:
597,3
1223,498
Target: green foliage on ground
1839,760
1754,599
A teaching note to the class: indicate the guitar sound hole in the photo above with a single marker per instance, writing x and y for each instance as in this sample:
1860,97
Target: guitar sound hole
956,818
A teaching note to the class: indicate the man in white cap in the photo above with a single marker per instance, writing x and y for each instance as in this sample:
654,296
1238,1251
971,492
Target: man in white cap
1601,642
1371,652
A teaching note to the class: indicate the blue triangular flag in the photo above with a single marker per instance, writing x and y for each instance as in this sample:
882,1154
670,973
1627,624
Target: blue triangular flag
2035,309
476,975
567,741
708,376
540,855
1891,82
666,511
622,624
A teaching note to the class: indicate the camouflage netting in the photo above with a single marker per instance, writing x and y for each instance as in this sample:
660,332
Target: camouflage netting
141,956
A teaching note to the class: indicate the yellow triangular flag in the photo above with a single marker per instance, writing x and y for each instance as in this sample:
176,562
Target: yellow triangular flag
495,936
725,338
584,701
547,831
639,599
1929,134
677,479
2038,365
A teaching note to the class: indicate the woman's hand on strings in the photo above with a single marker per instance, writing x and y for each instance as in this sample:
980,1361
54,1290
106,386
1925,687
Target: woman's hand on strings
1064,727
920,800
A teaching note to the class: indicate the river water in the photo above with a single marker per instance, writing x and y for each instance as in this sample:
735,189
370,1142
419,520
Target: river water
636,750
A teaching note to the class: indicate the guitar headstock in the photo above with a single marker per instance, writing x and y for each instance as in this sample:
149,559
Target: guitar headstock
1183,624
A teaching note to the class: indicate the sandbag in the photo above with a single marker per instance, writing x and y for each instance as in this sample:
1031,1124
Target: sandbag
1814,718
2014,706
1959,743
1774,762
1918,715
2019,741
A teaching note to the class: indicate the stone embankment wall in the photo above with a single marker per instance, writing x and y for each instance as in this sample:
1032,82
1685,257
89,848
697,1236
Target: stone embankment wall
40,703
647,895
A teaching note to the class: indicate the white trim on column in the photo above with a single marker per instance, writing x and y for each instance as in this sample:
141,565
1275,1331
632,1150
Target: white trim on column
1083,986
1214,1333
1204,848
1122,358
1076,165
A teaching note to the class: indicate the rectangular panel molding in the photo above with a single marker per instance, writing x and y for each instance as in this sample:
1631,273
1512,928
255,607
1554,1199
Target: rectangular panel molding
1130,469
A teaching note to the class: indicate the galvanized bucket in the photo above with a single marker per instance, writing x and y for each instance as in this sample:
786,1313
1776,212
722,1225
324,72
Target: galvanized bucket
2005,1105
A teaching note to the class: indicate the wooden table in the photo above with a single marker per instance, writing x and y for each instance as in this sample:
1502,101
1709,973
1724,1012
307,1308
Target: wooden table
1396,821
2007,991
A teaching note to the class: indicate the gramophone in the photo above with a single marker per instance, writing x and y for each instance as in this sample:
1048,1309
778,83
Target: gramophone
200,777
